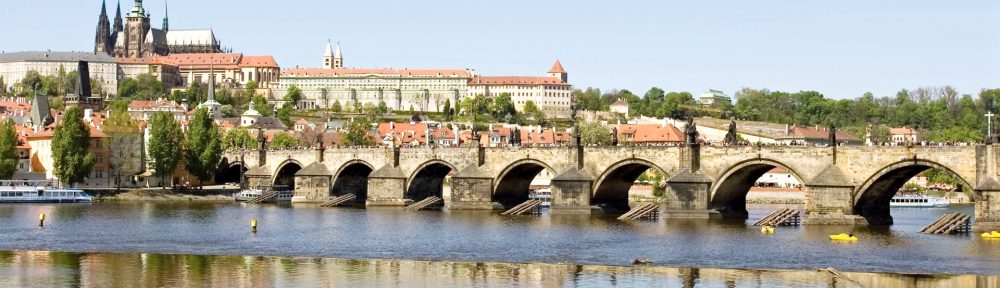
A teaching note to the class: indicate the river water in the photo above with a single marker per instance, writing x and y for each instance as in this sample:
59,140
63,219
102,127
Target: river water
481,237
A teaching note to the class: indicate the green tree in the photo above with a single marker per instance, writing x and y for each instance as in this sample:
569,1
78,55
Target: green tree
293,94
204,148
336,108
283,140
8,149
260,103
594,133
530,108
166,144
285,114
142,87
70,148
357,133
238,138
448,113
502,106
382,108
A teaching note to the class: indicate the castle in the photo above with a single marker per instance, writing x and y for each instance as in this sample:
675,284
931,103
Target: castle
136,39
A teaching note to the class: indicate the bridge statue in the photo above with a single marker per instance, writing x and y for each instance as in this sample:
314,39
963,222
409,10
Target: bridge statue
691,132
731,135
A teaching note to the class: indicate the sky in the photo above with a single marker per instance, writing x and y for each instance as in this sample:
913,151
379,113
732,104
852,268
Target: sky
840,48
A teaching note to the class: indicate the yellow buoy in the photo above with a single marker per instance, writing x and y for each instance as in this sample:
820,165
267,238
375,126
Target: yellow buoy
843,237
41,220
766,229
991,235
253,225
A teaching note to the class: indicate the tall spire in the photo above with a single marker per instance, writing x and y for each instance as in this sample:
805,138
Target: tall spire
166,23
329,49
211,83
104,10
118,19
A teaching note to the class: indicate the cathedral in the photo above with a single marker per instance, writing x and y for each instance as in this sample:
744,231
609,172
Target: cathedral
136,39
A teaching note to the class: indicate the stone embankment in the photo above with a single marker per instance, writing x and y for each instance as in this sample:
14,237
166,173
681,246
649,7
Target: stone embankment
215,195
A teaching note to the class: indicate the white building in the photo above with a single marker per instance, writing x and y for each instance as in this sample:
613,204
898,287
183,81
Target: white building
904,135
551,93
714,97
15,65
620,107
144,109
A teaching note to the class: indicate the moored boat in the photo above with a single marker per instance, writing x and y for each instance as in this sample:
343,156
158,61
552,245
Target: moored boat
40,191
918,201
248,194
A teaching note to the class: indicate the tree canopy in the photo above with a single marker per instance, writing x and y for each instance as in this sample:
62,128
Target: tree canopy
594,133
238,138
8,149
283,140
166,144
204,148
357,133
142,87
70,148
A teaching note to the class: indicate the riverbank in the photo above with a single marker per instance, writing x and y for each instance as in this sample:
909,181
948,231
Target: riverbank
220,195
60,269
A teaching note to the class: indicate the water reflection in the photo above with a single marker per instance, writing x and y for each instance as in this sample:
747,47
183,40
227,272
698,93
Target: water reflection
485,236
55,269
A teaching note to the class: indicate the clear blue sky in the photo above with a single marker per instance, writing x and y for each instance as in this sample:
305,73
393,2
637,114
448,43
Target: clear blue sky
840,48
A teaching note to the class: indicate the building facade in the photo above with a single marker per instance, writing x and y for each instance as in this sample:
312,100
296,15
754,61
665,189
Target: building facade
15,65
551,93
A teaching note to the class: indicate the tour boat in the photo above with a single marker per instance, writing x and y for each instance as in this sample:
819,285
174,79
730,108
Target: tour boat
39,191
251,193
917,200
542,194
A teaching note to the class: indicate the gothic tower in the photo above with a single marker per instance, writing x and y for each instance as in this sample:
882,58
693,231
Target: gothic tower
338,58
118,20
136,29
102,41
166,22
328,56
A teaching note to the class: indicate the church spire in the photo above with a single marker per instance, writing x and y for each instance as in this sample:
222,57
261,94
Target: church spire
118,19
104,10
166,22
102,41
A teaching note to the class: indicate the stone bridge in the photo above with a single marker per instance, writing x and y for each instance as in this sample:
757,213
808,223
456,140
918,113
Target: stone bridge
843,185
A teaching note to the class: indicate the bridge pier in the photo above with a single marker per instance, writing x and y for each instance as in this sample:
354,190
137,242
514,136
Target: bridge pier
386,187
829,200
312,184
987,211
688,196
571,192
471,189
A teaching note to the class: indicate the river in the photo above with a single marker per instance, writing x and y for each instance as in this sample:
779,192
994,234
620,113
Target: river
194,228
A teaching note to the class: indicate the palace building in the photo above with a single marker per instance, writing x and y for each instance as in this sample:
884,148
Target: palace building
424,90
551,93
135,38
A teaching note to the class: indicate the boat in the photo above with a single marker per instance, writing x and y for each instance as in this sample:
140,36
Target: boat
843,237
543,194
40,191
284,195
917,201
991,235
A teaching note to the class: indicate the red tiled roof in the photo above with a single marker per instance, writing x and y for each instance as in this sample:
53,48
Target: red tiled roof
259,61
204,60
649,133
557,68
148,104
391,72
515,80
403,132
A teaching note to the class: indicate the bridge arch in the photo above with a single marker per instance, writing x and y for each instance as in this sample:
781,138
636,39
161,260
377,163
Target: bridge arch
871,200
729,192
352,178
428,180
611,189
285,175
229,172
512,185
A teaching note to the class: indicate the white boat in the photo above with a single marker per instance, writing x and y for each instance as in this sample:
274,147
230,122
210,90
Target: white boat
917,200
40,191
254,192
543,194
